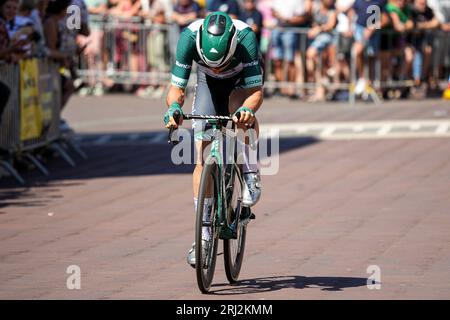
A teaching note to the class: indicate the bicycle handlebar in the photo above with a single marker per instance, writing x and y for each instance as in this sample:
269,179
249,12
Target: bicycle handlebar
176,117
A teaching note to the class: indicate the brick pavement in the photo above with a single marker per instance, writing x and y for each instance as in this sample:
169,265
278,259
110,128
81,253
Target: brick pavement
335,208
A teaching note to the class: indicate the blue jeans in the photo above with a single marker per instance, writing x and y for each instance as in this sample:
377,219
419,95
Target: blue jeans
372,44
322,41
284,44
417,65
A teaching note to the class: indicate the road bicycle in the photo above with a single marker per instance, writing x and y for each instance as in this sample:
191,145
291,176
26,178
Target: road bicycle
223,181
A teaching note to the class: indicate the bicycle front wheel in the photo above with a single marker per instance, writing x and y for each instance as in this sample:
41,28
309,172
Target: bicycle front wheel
233,249
206,251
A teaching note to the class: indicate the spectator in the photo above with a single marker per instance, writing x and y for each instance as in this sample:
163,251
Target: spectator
323,22
185,12
344,41
289,14
401,23
10,10
228,6
441,54
37,15
269,22
366,35
157,47
56,12
126,36
93,45
442,12
421,40
29,24
11,48
253,17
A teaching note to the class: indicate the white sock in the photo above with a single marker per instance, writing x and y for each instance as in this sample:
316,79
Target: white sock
207,207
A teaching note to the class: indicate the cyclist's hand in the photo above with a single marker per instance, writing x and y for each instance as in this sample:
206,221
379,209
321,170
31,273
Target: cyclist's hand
246,116
169,119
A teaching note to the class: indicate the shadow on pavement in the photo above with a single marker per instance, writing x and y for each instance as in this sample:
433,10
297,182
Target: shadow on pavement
119,159
260,285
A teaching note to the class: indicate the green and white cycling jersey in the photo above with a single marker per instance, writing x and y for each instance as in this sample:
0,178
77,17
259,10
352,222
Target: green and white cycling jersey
245,58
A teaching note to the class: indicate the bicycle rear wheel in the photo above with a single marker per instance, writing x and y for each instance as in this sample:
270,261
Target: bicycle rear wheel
233,249
205,256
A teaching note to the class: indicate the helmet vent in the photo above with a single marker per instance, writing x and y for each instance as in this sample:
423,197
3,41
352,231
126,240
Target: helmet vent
216,25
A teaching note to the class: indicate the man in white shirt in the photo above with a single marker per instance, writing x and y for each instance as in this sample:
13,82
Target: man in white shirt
285,42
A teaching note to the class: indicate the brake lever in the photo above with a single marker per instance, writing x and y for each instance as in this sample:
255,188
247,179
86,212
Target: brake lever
176,117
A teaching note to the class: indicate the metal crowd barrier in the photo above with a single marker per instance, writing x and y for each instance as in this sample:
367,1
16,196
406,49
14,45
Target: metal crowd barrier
16,142
135,51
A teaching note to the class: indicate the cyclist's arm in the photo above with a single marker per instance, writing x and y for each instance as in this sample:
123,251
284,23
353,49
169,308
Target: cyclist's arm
254,98
181,71
252,71
175,94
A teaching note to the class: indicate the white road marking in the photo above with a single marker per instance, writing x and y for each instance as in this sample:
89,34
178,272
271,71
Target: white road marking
133,137
159,137
378,129
103,139
384,130
443,128
323,130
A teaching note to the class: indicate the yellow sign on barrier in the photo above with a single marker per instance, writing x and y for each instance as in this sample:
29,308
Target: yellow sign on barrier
30,109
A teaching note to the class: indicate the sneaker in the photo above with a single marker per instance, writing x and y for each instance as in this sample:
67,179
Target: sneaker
252,189
145,92
360,86
98,90
191,254
83,92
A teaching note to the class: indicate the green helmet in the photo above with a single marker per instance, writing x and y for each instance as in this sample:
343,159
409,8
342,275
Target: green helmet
216,39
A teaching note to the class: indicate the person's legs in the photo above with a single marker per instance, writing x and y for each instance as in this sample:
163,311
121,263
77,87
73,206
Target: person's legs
426,66
68,89
277,55
417,67
311,57
290,45
247,147
409,57
358,50
320,43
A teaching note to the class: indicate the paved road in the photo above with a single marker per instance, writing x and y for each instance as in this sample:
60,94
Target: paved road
336,207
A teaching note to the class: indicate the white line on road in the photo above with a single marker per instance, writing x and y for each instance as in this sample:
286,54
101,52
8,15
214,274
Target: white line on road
103,139
443,128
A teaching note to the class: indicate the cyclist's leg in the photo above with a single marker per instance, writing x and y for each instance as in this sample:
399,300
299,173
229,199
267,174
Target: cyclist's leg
247,151
211,98
202,105
237,99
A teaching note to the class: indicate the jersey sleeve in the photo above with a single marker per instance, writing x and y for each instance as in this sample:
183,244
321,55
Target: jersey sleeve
252,72
183,63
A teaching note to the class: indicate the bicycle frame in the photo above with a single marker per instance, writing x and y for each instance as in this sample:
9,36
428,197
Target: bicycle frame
218,132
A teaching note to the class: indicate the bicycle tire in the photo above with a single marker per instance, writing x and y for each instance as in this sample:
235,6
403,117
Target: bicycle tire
204,280
233,257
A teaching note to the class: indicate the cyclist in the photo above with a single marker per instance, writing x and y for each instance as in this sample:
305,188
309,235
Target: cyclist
229,80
